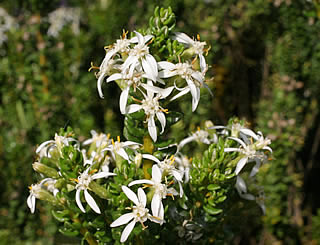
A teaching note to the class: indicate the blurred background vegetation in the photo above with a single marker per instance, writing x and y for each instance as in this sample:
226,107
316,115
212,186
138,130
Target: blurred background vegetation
265,60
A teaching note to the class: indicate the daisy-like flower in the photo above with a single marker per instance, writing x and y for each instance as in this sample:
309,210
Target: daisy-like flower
118,147
34,194
160,191
132,79
194,79
83,183
184,165
101,140
196,46
250,151
58,143
139,213
40,191
200,136
139,56
150,105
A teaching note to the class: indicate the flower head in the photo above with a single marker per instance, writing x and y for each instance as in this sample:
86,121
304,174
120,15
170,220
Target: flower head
139,213
83,183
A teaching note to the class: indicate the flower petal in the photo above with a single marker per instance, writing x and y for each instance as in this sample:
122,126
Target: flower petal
123,99
152,129
150,67
115,76
133,108
151,157
121,152
92,203
102,175
240,165
141,181
78,201
183,38
126,232
155,204
162,119
165,65
123,219
249,132
131,195
142,197
156,174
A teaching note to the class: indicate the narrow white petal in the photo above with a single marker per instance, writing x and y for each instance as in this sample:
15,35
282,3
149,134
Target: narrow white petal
131,60
126,232
133,108
267,148
166,73
155,204
249,132
183,92
165,65
162,119
102,175
198,76
147,38
231,149
238,140
123,99
78,201
114,77
33,203
156,173
40,147
255,169
92,203
99,84
140,37
240,165
150,157
183,38
129,143
241,185
186,141
142,181
152,129
131,195
177,175
247,196
142,197
203,65
150,67
123,219
121,152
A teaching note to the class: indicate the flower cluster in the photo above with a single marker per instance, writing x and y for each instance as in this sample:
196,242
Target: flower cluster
131,64
96,178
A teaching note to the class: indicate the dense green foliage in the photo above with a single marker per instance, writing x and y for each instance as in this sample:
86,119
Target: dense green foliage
266,68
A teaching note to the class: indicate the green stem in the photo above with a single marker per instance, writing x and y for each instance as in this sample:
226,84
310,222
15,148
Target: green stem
148,147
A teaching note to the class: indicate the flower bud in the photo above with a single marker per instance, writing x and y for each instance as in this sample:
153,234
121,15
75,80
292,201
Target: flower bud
98,189
44,169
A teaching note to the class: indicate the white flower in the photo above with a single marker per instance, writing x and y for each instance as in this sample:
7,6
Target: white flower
250,151
34,193
194,79
196,46
58,143
83,182
160,191
131,78
101,140
200,136
150,105
118,148
49,184
139,213
184,165
139,56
